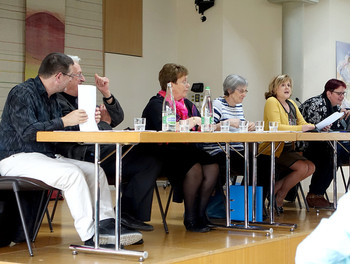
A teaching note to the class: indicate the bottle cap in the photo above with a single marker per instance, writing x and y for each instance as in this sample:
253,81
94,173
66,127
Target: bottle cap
207,88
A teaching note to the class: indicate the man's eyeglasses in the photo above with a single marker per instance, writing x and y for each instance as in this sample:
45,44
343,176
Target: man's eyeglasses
339,93
72,75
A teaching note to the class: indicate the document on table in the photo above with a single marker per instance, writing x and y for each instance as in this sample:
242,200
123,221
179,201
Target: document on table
329,120
87,102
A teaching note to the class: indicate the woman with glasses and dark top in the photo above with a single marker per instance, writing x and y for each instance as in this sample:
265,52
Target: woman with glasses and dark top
315,110
280,108
192,172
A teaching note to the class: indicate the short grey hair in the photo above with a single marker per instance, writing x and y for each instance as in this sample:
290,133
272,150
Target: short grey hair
76,59
233,81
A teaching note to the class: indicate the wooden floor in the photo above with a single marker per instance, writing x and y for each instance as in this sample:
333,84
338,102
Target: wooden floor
179,246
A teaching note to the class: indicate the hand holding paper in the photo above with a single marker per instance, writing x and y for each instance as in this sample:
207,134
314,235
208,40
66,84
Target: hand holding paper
75,117
329,120
87,102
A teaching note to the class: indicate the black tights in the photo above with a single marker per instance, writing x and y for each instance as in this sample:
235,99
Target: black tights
198,185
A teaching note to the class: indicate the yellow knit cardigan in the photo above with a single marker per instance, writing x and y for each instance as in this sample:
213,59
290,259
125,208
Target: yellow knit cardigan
274,111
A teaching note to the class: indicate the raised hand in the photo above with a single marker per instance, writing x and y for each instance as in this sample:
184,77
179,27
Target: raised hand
102,84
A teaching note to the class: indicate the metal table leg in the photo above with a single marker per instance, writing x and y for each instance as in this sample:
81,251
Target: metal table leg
117,251
254,180
335,159
272,222
245,226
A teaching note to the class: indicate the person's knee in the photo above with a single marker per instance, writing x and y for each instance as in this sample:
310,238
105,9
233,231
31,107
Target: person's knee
196,171
301,168
311,168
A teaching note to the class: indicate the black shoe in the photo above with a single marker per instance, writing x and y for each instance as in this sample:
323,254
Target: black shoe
107,233
193,226
133,223
91,243
280,209
204,221
140,242
129,237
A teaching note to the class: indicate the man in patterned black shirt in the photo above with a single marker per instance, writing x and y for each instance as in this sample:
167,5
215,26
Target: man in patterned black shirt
315,110
32,106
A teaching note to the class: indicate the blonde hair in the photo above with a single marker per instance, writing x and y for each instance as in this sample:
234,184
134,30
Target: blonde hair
276,82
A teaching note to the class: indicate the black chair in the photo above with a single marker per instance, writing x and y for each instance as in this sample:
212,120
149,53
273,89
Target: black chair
18,184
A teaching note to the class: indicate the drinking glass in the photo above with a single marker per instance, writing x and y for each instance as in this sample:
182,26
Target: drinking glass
225,126
273,126
259,126
184,125
139,123
243,126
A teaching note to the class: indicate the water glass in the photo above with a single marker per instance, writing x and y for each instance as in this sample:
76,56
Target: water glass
139,123
273,126
184,125
225,126
243,126
259,126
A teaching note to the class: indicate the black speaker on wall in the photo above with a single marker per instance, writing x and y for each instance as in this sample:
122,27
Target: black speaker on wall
202,6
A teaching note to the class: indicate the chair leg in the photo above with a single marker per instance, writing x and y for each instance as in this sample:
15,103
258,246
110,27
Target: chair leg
161,210
24,225
304,198
343,177
326,196
41,214
55,205
298,198
169,200
49,220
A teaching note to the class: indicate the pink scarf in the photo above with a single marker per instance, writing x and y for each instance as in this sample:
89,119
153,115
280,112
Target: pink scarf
181,109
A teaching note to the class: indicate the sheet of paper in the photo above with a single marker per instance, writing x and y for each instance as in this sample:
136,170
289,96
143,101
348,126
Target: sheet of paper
87,102
329,120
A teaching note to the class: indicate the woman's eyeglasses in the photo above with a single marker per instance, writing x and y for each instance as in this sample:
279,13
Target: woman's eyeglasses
242,91
339,93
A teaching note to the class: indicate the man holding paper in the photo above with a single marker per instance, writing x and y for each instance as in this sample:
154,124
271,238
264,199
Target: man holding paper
140,169
315,110
32,106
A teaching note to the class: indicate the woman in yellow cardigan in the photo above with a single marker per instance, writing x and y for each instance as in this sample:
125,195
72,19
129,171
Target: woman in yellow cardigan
280,108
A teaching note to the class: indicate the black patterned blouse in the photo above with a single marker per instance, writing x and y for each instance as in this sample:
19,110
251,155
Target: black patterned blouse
317,108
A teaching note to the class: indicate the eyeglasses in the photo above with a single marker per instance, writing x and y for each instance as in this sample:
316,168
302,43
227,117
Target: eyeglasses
340,93
242,91
72,75
185,82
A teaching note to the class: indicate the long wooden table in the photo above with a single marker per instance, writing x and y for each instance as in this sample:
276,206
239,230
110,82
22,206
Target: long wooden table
131,137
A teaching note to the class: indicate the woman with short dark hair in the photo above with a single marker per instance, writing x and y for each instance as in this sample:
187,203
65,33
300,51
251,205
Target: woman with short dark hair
192,172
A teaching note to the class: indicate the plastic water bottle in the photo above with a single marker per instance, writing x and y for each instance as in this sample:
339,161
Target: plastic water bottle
207,112
169,111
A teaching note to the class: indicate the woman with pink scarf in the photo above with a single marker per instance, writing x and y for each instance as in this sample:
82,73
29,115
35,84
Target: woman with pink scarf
192,172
